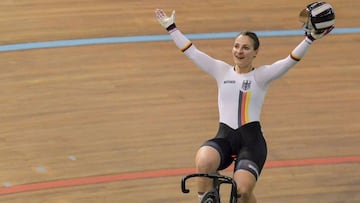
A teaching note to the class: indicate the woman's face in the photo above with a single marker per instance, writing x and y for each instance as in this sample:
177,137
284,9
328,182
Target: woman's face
243,52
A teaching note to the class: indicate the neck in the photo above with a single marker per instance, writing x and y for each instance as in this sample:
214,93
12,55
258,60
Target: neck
243,70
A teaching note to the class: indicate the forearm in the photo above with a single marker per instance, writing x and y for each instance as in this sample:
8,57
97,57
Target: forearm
181,41
299,52
271,72
202,60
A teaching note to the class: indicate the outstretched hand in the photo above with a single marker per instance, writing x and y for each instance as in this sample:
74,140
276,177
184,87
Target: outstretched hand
313,35
164,20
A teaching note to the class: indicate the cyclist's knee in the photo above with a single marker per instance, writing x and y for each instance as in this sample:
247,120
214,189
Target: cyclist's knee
207,160
245,185
245,195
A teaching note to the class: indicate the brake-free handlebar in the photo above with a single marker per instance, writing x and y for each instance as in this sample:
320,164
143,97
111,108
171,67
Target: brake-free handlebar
217,180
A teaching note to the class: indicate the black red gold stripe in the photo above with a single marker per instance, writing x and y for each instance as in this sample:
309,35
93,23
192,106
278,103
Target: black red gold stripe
295,57
244,100
188,45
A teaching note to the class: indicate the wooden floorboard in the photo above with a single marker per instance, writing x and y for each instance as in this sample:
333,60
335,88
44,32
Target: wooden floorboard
118,109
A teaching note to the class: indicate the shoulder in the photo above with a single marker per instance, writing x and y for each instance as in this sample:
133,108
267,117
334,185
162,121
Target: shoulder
261,68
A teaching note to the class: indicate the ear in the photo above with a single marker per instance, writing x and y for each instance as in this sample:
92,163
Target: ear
256,52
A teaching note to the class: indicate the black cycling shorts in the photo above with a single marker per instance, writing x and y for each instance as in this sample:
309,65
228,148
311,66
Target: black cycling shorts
246,143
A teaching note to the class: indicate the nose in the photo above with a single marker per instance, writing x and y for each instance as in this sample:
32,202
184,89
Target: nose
238,51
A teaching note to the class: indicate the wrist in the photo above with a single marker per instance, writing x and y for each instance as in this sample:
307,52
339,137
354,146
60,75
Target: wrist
310,38
171,27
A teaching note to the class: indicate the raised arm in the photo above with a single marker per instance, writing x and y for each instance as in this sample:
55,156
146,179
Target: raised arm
266,74
208,64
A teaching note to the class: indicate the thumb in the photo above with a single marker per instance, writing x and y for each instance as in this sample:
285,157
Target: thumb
173,15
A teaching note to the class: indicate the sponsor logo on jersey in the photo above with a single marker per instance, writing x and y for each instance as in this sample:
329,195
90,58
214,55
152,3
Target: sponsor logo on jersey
229,82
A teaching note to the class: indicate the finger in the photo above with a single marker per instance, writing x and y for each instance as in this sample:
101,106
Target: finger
162,13
327,31
174,15
157,13
330,29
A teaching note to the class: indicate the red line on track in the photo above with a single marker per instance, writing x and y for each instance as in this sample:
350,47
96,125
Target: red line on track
161,173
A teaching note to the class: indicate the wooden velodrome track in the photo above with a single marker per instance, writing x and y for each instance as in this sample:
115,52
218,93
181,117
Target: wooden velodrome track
121,122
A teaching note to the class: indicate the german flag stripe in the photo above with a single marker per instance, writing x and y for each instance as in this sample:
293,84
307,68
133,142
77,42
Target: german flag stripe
188,45
295,57
244,100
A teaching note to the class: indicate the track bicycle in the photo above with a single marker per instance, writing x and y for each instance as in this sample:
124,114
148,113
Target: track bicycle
213,196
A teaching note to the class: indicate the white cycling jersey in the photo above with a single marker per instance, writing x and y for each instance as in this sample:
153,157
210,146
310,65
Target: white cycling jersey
240,96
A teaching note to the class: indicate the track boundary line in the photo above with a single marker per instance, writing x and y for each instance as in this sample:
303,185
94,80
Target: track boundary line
162,173
154,38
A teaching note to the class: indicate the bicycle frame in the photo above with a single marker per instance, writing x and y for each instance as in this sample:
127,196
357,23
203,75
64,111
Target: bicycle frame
218,180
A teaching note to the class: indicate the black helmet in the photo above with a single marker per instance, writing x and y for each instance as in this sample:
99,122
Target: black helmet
318,16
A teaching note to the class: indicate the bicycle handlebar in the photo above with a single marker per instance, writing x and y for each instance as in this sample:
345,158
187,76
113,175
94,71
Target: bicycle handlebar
220,179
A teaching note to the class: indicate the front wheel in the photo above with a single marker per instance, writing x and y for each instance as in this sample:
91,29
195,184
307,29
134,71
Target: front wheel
211,197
